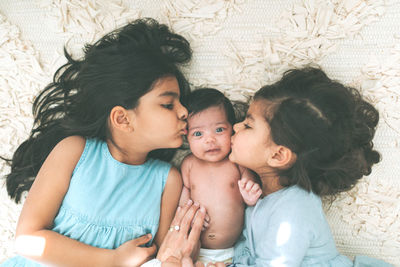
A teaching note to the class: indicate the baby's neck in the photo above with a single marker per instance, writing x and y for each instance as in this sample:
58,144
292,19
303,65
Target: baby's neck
214,163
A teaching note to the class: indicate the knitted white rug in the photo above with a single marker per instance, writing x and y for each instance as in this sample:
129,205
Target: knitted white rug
238,46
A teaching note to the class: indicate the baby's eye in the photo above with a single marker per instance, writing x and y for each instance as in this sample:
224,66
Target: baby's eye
168,106
219,130
197,134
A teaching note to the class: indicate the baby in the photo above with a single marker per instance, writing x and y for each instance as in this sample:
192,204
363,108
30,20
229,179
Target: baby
210,179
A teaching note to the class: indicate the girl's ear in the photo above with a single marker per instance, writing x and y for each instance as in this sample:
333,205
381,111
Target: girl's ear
281,157
121,119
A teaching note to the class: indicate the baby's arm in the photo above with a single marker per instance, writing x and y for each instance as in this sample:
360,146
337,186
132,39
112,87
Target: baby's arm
169,203
248,187
186,165
41,206
185,171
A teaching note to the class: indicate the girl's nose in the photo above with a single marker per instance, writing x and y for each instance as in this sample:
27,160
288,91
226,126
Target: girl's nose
236,127
182,113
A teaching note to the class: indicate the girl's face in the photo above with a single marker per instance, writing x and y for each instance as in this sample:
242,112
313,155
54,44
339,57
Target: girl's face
160,118
209,134
252,143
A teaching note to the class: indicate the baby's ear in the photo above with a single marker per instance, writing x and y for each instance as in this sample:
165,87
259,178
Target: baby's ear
281,157
121,118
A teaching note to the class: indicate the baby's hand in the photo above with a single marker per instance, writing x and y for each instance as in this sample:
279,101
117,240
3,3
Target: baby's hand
250,191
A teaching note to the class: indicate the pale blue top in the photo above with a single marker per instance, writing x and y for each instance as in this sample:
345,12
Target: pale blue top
288,228
109,202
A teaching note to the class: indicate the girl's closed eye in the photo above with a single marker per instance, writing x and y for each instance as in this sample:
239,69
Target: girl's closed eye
246,126
168,106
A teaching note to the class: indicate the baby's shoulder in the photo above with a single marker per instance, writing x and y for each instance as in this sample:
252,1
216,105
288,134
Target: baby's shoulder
188,161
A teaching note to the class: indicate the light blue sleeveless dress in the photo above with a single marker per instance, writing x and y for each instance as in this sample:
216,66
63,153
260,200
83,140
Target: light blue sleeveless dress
108,202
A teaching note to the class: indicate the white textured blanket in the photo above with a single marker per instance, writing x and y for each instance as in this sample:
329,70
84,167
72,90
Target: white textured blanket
238,46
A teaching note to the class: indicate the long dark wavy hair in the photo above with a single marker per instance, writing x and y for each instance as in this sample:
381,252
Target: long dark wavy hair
329,126
116,70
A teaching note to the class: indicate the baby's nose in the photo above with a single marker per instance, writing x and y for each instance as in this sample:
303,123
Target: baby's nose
210,138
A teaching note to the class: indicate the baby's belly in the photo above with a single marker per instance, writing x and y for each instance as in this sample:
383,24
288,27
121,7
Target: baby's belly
226,222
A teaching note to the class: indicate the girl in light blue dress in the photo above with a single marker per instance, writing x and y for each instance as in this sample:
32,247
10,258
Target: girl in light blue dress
306,136
102,195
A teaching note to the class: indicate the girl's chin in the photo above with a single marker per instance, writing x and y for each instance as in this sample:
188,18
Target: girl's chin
232,157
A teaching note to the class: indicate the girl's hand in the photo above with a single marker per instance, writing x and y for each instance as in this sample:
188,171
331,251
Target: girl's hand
131,254
250,191
180,240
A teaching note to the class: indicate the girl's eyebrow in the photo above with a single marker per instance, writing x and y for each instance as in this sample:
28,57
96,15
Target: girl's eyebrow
169,93
248,116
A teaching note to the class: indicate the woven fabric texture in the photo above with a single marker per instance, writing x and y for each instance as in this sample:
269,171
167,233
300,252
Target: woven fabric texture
239,45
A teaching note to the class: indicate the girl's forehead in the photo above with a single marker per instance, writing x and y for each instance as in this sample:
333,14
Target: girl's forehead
257,108
261,109
166,86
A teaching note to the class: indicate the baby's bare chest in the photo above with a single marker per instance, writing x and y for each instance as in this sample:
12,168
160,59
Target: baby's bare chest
215,183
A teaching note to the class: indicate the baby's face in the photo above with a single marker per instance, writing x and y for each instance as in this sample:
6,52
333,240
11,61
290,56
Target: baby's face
209,134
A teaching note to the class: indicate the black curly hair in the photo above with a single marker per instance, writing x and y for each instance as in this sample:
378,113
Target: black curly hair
329,126
116,70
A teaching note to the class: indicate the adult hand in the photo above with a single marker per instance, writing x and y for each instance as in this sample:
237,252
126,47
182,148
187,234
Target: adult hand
183,235
131,254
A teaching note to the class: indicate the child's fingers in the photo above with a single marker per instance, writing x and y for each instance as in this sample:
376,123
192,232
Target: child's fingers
248,186
259,192
255,188
150,251
142,240
244,180
242,183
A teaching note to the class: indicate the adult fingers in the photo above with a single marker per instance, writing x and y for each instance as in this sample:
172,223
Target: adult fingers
195,232
180,213
187,262
217,264
188,218
207,218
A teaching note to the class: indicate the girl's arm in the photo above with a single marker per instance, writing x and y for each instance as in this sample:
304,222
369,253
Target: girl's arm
169,203
34,239
185,171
